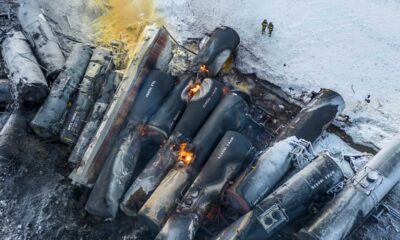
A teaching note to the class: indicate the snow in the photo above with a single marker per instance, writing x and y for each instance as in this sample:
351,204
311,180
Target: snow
352,47
343,154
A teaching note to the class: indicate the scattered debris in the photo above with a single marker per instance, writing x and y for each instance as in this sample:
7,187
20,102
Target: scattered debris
165,119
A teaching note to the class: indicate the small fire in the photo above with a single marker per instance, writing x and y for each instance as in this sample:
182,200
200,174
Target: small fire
185,155
203,69
194,89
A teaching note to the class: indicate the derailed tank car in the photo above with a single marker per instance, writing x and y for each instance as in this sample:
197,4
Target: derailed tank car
108,89
42,38
362,194
257,181
230,114
49,119
219,48
199,109
231,154
95,75
28,82
286,202
122,159
154,53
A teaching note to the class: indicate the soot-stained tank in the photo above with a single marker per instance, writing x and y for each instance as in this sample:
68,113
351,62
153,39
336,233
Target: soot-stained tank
100,107
165,119
230,114
258,180
361,195
41,36
198,110
286,202
48,120
100,64
121,162
28,82
232,152
218,49
154,52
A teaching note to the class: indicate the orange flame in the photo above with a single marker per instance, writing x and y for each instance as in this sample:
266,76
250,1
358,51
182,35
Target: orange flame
194,89
203,68
184,155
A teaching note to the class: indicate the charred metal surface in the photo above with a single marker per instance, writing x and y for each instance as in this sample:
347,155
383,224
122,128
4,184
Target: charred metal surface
286,202
198,110
50,117
100,107
151,94
231,154
29,83
42,38
230,114
122,160
219,48
258,180
271,107
104,199
170,111
315,117
155,88
154,42
100,64
360,196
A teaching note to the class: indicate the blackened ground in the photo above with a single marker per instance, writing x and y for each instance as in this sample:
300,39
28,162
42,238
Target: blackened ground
37,201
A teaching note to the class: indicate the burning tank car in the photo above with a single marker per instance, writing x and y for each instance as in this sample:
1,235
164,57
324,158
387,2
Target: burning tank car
164,156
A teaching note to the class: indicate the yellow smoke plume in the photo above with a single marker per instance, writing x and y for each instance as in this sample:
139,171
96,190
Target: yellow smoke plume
123,20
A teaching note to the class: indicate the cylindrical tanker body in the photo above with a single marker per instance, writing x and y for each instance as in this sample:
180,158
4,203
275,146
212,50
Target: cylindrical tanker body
170,111
198,110
48,120
153,53
227,159
315,117
100,63
219,48
257,182
359,198
42,38
121,162
29,83
286,202
99,109
230,114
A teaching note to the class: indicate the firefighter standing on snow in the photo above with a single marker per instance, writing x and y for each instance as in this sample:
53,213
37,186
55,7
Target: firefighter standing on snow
264,26
270,28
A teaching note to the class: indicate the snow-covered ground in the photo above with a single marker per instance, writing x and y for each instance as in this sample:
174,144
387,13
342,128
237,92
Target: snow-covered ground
352,47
